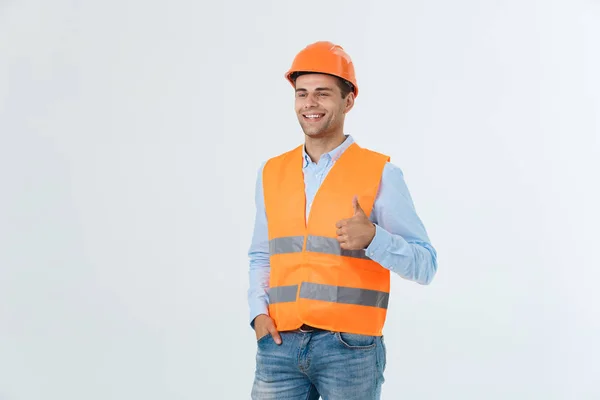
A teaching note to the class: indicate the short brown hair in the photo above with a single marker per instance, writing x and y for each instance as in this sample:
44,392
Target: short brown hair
345,86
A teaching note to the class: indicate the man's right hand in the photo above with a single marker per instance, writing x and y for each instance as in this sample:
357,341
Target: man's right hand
264,325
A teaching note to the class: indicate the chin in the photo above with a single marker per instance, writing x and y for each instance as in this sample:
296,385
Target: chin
312,132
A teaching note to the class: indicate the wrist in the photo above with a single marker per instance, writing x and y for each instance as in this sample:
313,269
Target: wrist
373,231
257,318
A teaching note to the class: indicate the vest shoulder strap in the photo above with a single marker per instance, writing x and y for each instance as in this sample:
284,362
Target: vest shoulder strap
375,155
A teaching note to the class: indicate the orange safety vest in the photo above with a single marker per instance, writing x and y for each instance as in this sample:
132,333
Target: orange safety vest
313,281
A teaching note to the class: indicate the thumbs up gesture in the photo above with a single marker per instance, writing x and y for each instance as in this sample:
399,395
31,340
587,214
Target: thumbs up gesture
357,232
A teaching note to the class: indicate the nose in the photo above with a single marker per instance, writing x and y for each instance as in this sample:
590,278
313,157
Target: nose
309,101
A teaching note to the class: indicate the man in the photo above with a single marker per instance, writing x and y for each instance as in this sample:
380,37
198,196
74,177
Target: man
332,220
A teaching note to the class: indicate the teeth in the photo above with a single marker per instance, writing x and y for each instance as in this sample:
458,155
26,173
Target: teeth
313,116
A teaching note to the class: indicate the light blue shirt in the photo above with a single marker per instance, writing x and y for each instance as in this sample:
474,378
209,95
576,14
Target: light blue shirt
401,243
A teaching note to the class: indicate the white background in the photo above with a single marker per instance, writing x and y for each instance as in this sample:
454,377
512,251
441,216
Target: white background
130,136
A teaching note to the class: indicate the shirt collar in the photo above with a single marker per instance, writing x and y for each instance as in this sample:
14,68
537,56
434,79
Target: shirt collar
333,154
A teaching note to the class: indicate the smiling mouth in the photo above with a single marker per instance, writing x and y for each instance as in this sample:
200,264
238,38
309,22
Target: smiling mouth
313,117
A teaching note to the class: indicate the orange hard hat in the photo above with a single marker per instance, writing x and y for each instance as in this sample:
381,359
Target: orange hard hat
326,58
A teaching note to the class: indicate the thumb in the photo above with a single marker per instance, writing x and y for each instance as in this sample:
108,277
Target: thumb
357,208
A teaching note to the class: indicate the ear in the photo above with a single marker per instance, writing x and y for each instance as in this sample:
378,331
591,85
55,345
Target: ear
349,102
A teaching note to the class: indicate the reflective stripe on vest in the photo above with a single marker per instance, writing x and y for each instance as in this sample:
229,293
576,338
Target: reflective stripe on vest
336,294
315,244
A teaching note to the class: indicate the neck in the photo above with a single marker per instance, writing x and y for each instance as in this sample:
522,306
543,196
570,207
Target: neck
317,146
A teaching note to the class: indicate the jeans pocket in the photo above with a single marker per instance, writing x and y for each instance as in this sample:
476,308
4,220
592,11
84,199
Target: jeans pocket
263,338
382,355
356,341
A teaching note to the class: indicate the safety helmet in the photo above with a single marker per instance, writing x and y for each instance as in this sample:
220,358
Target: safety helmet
326,58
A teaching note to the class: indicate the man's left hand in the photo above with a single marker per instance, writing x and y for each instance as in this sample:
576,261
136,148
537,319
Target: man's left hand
357,232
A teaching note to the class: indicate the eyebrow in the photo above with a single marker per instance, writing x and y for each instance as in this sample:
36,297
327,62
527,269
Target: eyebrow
319,89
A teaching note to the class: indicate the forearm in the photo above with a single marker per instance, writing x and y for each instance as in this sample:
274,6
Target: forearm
257,292
412,260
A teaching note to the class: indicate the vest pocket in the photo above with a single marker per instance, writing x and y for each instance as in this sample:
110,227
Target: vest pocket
356,341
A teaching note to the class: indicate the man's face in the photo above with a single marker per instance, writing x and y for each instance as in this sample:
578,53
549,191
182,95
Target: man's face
319,104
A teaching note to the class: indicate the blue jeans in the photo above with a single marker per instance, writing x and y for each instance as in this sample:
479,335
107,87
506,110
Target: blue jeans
332,365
